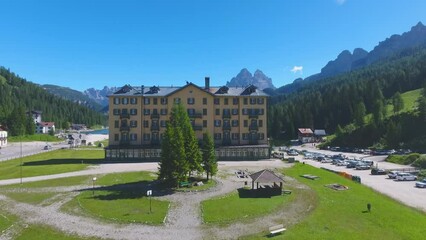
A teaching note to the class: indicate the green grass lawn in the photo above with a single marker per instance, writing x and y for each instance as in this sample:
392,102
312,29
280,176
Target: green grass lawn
121,198
31,198
35,137
52,162
343,215
41,232
232,207
6,220
58,182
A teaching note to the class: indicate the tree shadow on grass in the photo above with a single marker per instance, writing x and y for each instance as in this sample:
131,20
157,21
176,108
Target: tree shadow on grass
64,161
132,190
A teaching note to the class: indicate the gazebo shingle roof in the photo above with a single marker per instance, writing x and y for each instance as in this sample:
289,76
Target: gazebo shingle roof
265,176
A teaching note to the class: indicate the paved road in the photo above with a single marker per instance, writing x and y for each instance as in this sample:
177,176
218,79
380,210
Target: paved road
405,192
13,150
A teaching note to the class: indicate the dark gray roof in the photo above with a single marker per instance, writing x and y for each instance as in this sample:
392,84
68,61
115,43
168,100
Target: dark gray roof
320,132
265,176
159,91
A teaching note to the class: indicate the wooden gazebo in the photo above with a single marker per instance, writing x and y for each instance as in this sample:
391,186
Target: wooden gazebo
266,180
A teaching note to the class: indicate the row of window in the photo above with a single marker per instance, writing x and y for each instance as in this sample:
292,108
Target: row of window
217,123
191,111
217,136
236,136
190,101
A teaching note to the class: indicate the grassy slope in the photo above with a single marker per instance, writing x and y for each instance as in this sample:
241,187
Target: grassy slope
120,199
226,209
35,137
52,162
342,214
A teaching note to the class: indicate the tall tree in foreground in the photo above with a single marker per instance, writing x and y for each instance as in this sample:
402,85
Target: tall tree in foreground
192,150
209,156
173,165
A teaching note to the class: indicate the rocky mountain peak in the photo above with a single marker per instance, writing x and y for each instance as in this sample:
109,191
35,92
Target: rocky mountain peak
245,78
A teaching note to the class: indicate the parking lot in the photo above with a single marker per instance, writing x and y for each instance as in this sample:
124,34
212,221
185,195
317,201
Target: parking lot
403,191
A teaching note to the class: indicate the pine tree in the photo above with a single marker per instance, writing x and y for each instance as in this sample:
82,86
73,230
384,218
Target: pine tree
359,114
30,126
180,118
16,122
397,102
209,157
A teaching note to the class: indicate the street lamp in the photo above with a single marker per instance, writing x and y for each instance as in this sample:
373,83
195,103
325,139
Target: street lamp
20,168
93,185
149,193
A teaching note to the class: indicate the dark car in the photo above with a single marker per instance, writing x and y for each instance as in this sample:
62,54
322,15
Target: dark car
378,171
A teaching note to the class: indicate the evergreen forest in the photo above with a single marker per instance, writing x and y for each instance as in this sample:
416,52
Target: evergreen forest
354,105
18,95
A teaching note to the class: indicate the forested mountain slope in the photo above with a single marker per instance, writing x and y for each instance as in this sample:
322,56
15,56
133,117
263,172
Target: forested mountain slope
341,100
17,92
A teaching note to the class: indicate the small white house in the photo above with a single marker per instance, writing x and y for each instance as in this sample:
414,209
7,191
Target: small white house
35,115
3,137
45,127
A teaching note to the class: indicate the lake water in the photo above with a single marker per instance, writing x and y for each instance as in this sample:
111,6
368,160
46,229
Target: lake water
100,131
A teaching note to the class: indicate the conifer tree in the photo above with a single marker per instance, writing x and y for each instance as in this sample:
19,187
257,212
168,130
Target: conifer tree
209,156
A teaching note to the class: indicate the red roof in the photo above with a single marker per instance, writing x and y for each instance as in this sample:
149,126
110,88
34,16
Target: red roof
305,131
47,124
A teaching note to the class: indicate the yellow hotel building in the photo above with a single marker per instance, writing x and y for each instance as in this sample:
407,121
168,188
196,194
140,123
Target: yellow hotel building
235,117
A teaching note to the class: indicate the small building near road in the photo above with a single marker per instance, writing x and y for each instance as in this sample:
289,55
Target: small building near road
3,137
35,115
305,135
78,127
319,135
45,127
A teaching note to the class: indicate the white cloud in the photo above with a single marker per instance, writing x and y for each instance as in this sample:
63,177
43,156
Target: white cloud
296,69
340,2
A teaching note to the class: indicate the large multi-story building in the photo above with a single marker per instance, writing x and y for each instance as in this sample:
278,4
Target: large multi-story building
235,117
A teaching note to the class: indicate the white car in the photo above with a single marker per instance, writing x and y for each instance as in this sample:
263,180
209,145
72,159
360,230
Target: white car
421,184
392,174
405,177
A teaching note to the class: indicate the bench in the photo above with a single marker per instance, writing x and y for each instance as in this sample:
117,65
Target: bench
276,229
184,184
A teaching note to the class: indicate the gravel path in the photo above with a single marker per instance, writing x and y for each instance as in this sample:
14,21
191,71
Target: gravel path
183,220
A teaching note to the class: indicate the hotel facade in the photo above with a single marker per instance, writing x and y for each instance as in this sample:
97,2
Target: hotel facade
235,117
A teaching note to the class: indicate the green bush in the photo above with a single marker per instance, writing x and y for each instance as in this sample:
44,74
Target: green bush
403,159
420,162
422,174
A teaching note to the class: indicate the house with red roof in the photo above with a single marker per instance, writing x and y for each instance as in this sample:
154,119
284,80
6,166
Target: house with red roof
305,135
45,127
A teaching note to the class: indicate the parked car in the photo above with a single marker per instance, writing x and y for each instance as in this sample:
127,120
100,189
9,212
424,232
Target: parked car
405,177
47,147
362,167
342,163
326,160
392,174
421,184
293,153
352,164
378,171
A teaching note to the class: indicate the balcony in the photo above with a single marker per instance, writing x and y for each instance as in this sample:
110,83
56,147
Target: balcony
195,115
253,142
155,142
155,116
226,127
253,127
155,128
253,115
125,128
124,115
226,142
197,127
124,143
226,115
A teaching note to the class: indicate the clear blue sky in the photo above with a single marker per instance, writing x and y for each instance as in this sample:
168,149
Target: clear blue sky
93,43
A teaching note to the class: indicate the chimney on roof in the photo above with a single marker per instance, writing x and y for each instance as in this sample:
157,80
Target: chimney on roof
142,88
207,82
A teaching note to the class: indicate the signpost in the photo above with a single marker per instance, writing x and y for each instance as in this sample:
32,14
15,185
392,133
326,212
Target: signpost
149,193
93,185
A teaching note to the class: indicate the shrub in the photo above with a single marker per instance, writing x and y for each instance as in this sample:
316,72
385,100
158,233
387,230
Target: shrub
420,162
